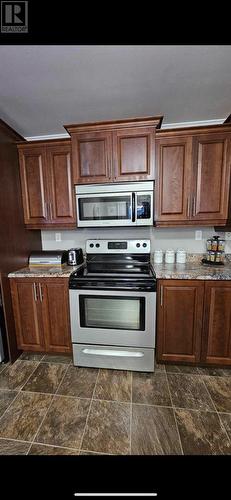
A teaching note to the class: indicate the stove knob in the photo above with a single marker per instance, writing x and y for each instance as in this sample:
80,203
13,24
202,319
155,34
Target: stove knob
138,245
144,245
91,245
97,245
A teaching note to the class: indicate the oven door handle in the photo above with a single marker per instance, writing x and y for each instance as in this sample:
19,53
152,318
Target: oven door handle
133,207
113,352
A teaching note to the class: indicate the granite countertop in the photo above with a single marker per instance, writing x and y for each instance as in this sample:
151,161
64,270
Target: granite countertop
44,272
193,270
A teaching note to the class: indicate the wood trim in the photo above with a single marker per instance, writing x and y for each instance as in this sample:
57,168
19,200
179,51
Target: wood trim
172,132
51,142
147,121
196,222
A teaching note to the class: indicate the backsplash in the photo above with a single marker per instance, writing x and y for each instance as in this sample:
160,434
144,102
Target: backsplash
160,238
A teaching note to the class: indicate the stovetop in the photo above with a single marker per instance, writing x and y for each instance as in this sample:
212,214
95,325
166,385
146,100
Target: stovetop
113,273
115,264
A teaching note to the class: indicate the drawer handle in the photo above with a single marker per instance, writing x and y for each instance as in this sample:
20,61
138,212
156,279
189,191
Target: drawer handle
40,292
35,292
111,352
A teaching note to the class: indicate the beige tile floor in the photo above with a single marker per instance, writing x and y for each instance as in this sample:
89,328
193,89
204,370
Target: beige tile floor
50,407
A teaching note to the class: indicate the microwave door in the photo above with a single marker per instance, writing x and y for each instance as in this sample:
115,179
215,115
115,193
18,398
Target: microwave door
144,208
107,209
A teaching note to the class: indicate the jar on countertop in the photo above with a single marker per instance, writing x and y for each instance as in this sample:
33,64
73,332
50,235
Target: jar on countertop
158,256
170,256
181,256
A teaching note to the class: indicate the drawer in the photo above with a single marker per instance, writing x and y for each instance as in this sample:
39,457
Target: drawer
118,358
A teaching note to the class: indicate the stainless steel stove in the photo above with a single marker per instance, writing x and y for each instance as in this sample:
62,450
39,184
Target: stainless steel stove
113,306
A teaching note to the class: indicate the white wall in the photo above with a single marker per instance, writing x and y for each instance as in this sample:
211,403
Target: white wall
160,238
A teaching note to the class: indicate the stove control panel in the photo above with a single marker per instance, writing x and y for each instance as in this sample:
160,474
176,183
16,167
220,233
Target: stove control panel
118,246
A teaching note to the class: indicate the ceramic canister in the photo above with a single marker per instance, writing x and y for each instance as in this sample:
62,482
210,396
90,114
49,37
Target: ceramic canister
158,256
170,256
181,256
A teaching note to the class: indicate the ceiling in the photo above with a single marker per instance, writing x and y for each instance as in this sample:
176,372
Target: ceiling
44,87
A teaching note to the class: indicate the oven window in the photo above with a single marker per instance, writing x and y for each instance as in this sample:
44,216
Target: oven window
143,206
105,208
121,313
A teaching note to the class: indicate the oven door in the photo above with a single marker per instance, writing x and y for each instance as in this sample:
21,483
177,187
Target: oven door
104,209
113,318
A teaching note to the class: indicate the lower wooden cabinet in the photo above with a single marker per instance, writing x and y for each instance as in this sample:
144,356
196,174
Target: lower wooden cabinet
179,320
216,340
41,312
194,322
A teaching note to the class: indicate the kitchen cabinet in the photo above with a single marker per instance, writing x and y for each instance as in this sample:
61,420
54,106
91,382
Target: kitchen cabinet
41,313
193,177
216,340
114,151
173,179
47,185
179,320
194,322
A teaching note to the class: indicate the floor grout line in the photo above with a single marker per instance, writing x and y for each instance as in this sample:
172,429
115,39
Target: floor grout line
174,415
219,418
52,399
15,440
93,392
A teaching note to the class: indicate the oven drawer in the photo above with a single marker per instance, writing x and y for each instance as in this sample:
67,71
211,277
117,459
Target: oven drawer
118,358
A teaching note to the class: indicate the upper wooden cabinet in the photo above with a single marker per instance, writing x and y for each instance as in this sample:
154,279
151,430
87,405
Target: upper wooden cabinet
114,151
173,178
211,177
193,177
47,184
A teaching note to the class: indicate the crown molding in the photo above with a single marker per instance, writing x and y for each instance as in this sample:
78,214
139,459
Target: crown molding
47,137
165,126
193,124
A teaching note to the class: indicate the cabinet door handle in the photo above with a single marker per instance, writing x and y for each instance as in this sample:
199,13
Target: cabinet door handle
161,295
50,206
194,206
46,210
188,207
35,292
40,292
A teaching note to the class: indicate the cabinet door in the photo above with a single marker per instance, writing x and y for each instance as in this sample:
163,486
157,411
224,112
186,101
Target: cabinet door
179,320
33,170
27,315
216,345
92,157
173,173
61,188
55,307
211,164
133,154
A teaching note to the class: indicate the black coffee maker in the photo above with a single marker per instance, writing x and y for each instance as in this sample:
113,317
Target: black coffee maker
75,256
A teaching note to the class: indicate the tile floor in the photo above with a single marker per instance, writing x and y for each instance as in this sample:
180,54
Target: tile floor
50,407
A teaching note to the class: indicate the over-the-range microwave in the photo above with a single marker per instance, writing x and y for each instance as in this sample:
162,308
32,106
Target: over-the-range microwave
124,204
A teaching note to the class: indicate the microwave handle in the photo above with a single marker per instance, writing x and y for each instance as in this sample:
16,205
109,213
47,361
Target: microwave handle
133,207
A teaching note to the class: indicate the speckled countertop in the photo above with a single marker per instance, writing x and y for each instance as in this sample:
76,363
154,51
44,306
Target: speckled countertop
41,272
193,269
